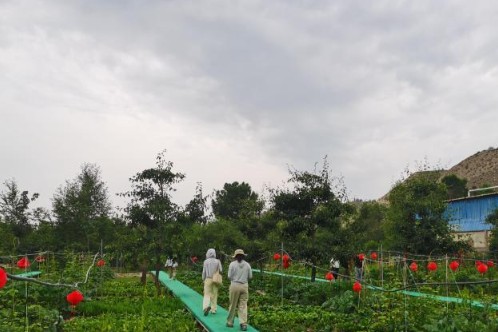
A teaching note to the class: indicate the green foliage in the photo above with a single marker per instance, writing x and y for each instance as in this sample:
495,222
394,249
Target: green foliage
343,303
492,219
236,201
367,223
152,212
127,305
455,186
15,211
415,220
195,210
82,209
307,208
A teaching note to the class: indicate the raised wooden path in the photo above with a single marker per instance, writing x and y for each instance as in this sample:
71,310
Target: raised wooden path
193,301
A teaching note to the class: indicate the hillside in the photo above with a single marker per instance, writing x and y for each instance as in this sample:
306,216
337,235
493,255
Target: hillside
480,169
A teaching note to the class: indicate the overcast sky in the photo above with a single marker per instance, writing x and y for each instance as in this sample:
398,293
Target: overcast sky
240,90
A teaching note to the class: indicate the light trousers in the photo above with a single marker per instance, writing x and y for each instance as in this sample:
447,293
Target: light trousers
239,294
210,295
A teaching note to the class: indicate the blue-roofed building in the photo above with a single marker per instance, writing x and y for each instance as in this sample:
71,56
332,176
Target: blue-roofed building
467,217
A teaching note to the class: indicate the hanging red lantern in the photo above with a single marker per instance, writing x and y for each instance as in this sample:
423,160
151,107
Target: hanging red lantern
40,259
361,256
329,276
3,277
100,263
373,255
286,264
276,256
432,266
285,258
74,297
482,268
490,263
23,263
357,287
413,267
454,265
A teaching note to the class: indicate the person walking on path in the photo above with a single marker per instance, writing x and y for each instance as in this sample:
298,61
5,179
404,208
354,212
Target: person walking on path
239,274
169,266
174,266
209,268
359,263
334,267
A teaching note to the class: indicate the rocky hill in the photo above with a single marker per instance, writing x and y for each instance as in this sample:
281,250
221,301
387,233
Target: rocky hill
480,169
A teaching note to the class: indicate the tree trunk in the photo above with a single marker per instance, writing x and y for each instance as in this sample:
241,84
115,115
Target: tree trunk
143,268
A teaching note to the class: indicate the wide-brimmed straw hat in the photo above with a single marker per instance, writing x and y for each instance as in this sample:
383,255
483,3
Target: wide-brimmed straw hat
238,252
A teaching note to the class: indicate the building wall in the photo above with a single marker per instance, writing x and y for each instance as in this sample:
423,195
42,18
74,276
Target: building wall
469,214
478,240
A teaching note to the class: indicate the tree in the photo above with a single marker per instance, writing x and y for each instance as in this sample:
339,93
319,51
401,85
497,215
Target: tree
366,228
79,207
455,186
306,209
15,210
492,219
152,210
415,217
236,200
195,210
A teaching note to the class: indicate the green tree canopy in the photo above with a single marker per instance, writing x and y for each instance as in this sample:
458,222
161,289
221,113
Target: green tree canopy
492,219
455,186
152,211
195,210
306,208
415,217
236,200
15,210
79,207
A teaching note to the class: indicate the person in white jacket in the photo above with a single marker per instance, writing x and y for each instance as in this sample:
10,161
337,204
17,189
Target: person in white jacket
210,266
239,274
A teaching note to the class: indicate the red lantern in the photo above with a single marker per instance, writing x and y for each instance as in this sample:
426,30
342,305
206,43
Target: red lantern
490,263
276,257
329,276
286,264
23,263
361,256
432,266
373,255
482,268
285,258
3,278
40,259
413,267
357,287
454,265
101,263
74,297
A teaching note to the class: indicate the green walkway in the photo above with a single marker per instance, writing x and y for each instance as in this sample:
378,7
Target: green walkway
29,274
193,301
406,292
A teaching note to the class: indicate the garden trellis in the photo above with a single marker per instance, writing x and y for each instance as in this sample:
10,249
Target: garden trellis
414,271
28,268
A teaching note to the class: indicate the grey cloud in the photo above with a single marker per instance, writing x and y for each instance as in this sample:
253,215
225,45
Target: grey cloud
353,80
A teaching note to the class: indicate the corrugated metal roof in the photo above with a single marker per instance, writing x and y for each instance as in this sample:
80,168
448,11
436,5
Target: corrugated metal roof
469,214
